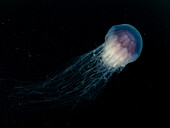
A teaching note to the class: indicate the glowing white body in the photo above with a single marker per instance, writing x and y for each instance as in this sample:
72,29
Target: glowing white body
114,54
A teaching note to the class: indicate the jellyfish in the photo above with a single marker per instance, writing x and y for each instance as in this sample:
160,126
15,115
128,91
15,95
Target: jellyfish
84,79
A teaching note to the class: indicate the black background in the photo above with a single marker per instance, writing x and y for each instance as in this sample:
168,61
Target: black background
36,36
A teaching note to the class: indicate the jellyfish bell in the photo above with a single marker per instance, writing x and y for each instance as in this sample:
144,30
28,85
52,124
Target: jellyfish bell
123,45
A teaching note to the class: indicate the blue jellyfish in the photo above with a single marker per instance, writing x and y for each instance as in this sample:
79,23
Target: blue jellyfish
85,78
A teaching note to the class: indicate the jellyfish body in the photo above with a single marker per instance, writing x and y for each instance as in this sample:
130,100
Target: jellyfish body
86,77
123,45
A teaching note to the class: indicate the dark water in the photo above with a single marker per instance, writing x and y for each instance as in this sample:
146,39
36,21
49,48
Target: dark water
36,37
